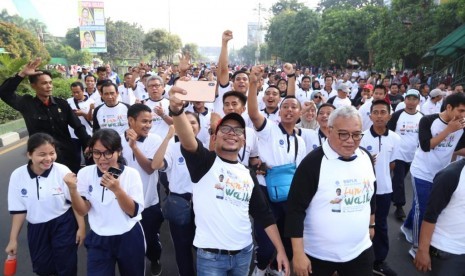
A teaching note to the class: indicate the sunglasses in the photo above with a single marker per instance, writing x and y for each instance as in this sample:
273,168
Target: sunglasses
317,97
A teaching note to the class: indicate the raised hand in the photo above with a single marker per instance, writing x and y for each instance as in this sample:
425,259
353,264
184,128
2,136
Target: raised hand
227,36
184,62
30,68
288,69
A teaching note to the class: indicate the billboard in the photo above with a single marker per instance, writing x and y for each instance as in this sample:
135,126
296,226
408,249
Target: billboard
92,30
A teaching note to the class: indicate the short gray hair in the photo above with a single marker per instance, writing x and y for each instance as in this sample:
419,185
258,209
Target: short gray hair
152,78
344,112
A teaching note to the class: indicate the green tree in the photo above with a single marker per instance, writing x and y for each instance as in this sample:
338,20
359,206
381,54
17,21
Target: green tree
193,50
162,44
72,38
286,5
291,34
20,43
124,40
247,54
344,34
327,4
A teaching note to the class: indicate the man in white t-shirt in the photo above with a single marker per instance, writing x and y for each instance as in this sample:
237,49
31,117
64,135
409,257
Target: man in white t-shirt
433,104
223,235
440,136
342,97
161,121
379,93
324,241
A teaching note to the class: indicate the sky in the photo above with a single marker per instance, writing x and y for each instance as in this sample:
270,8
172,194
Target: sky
200,21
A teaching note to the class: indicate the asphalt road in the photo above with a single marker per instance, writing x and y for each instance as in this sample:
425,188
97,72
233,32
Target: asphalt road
14,156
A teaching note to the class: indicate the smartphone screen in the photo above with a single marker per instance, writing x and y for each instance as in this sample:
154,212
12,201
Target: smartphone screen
197,91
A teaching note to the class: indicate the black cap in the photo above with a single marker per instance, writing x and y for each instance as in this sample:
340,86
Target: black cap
231,116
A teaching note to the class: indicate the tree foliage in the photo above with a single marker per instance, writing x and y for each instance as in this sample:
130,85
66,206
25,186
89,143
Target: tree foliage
286,5
328,4
291,35
162,44
65,51
72,38
20,43
124,40
193,50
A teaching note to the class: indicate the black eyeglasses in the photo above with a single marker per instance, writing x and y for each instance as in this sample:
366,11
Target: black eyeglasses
344,136
225,129
106,154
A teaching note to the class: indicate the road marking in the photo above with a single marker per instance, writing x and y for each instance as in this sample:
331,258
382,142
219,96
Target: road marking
13,147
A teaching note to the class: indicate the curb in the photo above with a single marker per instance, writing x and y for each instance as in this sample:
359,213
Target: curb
12,137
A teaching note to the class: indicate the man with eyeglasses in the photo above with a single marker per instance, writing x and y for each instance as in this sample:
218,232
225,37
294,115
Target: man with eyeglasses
161,121
325,241
223,235
383,145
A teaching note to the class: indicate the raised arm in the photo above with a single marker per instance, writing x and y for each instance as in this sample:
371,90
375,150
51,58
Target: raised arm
223,72
252,102
181,123
290,72
157,160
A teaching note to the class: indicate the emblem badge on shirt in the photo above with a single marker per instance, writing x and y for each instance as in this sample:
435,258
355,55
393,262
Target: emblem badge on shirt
369,148
281,142
57,191
90,188
180,160
24,192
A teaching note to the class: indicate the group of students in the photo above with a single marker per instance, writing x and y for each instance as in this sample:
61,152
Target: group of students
203,159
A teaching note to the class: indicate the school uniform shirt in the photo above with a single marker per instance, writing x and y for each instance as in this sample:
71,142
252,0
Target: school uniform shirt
406,126
276,147
429,107
384,147
140,92
127,94
334,226
148,146
176,169
311,139
84,106
303,96
42,197
225,193
114,117
159,126
445,209
106,218
427,162
273,116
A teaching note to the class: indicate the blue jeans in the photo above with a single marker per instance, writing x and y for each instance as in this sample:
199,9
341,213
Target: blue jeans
215,264
421,193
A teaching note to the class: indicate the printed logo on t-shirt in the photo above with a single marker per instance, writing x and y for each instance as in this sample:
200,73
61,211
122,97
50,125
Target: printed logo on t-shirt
180,160
57,191
114,121
233,189
351,195
446,143
24,192
369,148
90,189
281,142
408,127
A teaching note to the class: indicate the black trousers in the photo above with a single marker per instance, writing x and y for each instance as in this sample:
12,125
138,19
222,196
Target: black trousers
360,266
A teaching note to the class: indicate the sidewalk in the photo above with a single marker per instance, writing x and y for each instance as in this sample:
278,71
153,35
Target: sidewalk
12,132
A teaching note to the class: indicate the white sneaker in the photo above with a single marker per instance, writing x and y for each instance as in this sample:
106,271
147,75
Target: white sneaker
273,272
258,272
407,233
413,252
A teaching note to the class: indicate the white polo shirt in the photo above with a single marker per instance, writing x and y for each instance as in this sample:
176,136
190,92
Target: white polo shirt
431,108
218,104
115,117
338,102
303,96
273,116
385,147
84,106
276,147
176,169
43,197
365,112
159,126
311,139
140,92
148,146
106,218
127,94
204,119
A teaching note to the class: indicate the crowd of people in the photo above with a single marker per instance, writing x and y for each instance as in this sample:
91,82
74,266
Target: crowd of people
316,159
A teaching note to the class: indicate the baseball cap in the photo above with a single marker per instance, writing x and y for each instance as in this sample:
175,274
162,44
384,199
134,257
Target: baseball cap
413,92
436,92
343,87
368,86
231,116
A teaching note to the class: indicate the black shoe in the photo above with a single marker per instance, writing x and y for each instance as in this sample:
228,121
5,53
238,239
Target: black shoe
155,268
383,269
399,213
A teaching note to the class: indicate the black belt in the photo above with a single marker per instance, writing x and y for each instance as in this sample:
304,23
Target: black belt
221,251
